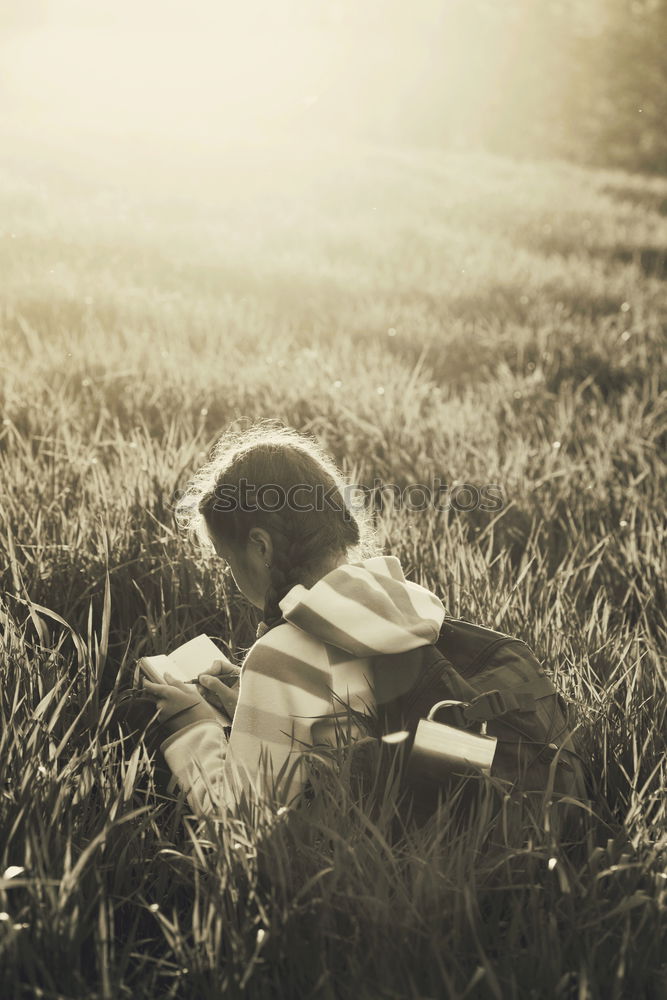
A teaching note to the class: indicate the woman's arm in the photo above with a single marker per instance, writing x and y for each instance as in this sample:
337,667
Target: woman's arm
282,691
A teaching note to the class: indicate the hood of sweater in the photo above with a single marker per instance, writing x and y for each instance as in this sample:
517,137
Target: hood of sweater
366,608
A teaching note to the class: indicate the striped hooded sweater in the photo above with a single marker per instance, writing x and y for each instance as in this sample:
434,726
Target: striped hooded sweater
299,677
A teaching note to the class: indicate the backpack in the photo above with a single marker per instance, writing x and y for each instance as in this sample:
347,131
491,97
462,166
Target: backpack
502,688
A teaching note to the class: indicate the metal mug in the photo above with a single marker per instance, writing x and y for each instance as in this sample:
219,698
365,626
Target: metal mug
439,749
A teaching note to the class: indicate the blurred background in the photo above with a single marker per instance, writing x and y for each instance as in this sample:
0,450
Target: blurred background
580,79
434,236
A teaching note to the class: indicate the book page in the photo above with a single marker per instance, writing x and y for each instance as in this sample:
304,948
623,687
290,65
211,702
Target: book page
153,667
185,662
193,658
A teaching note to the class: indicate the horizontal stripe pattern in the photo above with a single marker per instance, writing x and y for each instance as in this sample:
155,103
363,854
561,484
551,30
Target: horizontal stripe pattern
299,676
398,595
413,606
384,565
285,669
330,632
365,631
365,609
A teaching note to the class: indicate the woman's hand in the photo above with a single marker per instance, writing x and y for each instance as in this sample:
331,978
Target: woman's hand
219,686
178,704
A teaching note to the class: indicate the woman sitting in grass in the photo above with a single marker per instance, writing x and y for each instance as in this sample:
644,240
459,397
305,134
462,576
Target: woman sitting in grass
272,505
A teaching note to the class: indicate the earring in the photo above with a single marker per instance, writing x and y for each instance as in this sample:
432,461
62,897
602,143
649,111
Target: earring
268,565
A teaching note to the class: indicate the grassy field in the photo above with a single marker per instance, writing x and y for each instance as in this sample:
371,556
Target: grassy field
423,315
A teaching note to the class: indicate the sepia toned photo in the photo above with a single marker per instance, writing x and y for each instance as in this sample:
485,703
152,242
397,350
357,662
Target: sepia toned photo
333,463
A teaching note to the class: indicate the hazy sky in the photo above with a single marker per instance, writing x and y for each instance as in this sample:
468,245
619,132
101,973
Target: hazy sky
215,72
225,67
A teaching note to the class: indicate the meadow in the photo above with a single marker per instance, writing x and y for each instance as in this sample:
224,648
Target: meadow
423,314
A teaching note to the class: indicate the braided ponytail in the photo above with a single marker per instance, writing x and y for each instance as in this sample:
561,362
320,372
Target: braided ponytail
303,537
295,555
283,571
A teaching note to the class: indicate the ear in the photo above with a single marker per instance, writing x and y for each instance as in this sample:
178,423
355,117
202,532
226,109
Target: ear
261,541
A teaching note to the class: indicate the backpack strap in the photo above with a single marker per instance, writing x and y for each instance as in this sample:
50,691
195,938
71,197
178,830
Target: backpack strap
495,703
407,686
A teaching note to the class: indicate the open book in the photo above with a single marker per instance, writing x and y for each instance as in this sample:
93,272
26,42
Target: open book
184,663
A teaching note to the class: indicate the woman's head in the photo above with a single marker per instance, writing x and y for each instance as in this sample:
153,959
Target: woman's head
273,506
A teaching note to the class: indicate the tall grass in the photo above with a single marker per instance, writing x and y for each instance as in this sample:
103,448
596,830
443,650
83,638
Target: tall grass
423,315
